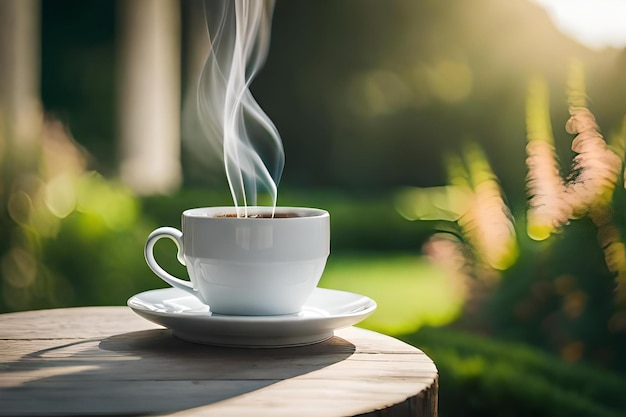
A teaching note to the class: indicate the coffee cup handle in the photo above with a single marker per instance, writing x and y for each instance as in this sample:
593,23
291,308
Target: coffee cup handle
177,237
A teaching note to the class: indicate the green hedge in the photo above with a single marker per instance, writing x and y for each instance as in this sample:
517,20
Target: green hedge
94,255
358,222
484,377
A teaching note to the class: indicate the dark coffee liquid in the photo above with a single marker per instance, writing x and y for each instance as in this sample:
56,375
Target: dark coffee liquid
262,215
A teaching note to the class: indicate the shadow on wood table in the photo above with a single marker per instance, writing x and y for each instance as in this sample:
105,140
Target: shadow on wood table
109,361
149,371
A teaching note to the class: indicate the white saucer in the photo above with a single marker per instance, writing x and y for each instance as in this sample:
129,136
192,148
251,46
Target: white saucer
325,311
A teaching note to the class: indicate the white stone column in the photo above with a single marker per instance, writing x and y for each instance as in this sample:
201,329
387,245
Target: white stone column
20,78
149,94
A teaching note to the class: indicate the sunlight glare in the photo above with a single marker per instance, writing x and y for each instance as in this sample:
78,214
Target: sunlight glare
596,24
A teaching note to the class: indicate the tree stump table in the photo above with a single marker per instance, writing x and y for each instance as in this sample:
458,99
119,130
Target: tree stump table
109,361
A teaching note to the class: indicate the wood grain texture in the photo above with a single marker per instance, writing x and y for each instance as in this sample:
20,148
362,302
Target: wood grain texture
109,361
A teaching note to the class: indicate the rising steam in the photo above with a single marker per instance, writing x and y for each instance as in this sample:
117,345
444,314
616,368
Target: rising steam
231,119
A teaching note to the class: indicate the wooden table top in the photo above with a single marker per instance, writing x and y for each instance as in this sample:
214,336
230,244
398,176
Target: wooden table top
109,361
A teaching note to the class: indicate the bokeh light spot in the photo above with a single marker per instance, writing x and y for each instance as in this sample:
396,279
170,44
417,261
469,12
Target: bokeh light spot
20,206
574,304
60,196
450,81
378,93
19,268
572,352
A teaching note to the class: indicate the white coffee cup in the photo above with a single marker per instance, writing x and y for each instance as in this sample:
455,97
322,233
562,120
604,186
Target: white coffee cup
248,265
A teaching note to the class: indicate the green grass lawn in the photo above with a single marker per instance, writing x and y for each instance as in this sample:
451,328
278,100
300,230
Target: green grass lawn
409,291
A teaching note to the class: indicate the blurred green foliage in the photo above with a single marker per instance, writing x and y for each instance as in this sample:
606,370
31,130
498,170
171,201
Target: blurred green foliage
479,376
561,296
86,256
95,254
366,94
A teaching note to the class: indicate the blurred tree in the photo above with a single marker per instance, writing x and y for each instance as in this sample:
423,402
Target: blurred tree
78,74
366,94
